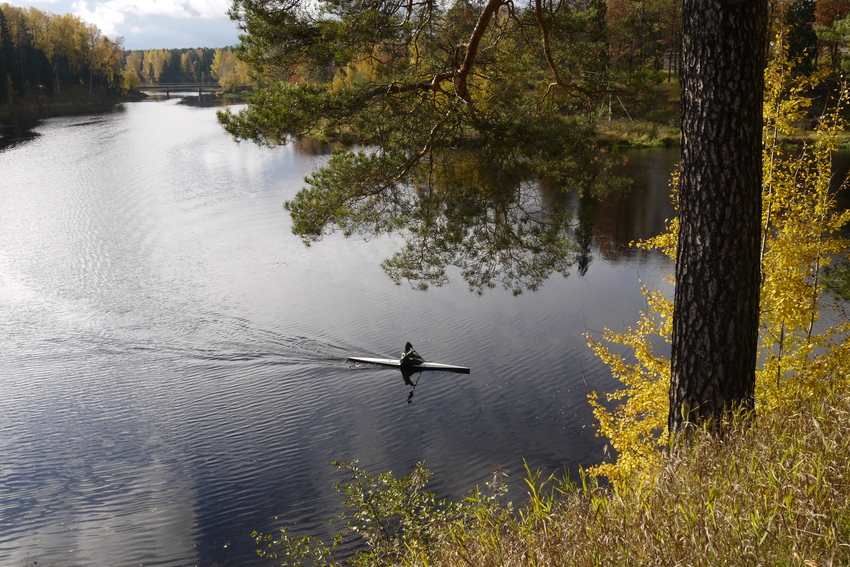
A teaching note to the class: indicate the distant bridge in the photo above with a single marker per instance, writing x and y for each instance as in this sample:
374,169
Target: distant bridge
168,87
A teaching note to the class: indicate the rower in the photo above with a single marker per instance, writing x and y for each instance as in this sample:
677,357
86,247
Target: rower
410,356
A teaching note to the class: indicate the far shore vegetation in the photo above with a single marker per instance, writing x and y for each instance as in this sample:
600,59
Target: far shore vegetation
56,64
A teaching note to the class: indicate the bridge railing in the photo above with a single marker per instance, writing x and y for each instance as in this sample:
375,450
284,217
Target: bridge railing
178,86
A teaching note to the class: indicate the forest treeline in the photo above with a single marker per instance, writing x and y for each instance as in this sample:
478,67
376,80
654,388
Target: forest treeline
192,65
42,53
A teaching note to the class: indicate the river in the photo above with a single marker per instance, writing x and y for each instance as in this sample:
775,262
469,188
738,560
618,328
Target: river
173,362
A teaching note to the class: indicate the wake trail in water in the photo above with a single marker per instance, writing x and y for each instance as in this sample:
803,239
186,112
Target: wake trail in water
217,338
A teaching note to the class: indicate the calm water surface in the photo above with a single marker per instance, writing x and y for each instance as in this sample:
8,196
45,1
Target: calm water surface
173,363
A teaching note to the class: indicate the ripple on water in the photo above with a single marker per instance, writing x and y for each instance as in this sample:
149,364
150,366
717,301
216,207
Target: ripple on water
174,370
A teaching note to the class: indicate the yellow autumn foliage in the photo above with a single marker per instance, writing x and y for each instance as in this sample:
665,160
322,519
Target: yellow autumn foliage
801,355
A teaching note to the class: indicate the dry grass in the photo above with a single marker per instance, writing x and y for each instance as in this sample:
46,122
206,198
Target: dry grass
638,134
772,492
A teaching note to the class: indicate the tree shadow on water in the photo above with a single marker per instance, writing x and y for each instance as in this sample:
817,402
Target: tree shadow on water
493,220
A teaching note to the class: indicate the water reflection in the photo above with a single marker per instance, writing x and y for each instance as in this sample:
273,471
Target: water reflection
641,212
313,147
190,97
584,232
407,374
492,220
205,100
16,132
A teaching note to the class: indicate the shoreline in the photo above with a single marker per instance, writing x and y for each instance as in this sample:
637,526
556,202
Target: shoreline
75,99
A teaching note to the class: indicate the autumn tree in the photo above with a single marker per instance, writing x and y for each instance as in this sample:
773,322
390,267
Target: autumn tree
828,11
103,58
189,64
804,339
231,72
130,81
154,64
40,49
133,62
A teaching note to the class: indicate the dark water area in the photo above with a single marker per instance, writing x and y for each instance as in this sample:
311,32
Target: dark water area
174,368
14,133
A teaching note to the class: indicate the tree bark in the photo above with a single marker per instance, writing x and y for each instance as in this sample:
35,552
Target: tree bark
715,319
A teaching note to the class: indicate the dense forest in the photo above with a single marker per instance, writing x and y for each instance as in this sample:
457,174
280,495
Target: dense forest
43,53
198,65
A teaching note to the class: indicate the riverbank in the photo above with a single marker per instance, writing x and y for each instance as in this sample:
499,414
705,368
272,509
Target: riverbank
771,491
638,134
649,121
74,99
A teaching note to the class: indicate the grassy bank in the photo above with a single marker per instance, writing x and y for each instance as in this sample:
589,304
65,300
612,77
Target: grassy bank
650,120
771,491
638,134
775,492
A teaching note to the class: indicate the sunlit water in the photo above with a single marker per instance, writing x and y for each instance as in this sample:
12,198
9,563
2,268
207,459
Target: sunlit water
173,363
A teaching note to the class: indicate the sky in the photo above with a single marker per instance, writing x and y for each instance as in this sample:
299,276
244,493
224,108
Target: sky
151,24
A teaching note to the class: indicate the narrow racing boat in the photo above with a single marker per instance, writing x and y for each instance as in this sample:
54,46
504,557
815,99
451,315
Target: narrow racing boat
415,365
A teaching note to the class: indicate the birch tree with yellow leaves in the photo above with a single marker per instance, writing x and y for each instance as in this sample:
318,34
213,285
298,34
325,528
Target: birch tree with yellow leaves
804,350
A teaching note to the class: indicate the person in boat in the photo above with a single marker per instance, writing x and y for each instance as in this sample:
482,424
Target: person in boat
410,356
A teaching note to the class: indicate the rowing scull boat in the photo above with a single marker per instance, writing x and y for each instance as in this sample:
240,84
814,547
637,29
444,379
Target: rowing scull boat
414,365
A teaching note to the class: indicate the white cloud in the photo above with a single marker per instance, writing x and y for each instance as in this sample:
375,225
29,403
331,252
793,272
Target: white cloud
35,4
149,24
107,14
107,18
167,8
210,8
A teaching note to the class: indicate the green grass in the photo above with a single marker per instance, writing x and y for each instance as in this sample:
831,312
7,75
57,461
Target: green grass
651,122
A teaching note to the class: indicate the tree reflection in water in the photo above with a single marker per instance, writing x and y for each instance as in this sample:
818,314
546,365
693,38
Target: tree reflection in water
492,219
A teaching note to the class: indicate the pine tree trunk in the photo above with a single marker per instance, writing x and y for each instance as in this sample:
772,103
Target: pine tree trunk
715,320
